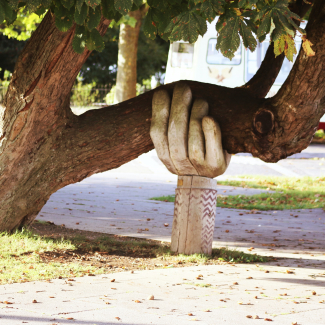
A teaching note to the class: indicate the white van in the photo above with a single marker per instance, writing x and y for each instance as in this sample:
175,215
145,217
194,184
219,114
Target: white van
202,62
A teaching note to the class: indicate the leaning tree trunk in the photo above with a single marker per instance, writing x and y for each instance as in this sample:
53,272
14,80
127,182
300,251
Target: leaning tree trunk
44,147
126,78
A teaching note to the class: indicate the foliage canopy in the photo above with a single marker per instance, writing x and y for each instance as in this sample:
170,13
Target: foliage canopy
174,20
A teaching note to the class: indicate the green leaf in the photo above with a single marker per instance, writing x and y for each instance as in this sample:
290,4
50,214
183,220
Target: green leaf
123,6
98,40
93,17
79,4
13,4
80,16
249,40
63,17
2,13
149,28
95,41
188,27
32,5
108,9
265,25
9,13
285,44
212,8
68,3
93,3
138,3
279,46
79,40
228,40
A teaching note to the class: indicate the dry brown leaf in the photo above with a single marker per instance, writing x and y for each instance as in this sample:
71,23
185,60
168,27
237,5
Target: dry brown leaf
208,311
256,317
113,280
70,318
268,319
190,314
34,301
137,301
248,316
152,297
235,283
166,224
118,318
314,293
226,230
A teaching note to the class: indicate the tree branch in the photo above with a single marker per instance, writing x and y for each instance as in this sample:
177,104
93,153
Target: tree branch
265,76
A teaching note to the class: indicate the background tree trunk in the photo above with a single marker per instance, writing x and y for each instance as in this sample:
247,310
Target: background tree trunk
44,147
126,78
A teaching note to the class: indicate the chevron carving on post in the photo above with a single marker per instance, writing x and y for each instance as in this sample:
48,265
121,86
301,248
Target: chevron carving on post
209,203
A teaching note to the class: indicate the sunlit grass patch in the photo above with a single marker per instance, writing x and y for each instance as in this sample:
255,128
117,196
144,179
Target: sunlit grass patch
290,193
26,256
20,258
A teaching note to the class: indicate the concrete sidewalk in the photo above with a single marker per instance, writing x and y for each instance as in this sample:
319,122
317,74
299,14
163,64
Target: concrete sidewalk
288,291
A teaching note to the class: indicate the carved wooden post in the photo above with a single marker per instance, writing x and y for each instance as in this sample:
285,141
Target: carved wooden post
189,145
194,215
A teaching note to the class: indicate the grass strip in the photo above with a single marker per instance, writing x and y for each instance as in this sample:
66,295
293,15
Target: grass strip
27,256
290,193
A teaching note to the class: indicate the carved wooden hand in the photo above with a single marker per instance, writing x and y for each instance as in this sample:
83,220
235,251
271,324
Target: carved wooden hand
187,146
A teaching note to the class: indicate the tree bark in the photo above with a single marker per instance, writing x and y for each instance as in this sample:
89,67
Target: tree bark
44,147
126,78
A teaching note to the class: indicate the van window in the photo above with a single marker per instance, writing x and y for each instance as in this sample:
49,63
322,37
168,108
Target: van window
215,57
254,60
182,55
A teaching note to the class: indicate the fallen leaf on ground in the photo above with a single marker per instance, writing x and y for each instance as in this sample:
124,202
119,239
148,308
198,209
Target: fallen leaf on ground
268,319
34,301
137,301
151,297
248,316
256,317
314,293
113,280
